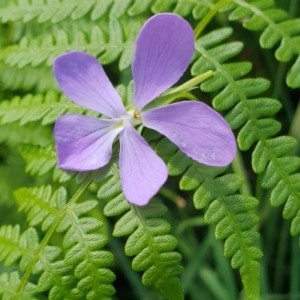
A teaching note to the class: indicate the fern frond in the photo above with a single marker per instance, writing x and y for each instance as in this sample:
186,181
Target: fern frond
278,30
27,79
8,284
108,40
26,247
84,261
45,108
252,115
197,8
11,165
13,134
235,93
41,204
41,107
148,239
184,8
6,186
232,213
41,160
45,11
14,247
82,242
26,11
235,219
11,250
162,6
139,7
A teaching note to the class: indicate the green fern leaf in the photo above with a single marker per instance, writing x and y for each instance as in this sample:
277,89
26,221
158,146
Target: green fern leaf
41,160
100,9
256,125
41,107
57,11
139,7
40,204
163,6
27,79
198,9
8,284
22,247
110,40
232,213
277,28
13,135
42,11
82,245
10,250
148,239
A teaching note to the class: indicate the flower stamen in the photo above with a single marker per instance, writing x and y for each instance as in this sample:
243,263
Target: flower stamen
134,116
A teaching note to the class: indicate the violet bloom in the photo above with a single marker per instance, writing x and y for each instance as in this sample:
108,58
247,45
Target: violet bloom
164,48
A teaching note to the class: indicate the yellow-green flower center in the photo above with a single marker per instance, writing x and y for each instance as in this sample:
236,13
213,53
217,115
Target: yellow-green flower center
134,116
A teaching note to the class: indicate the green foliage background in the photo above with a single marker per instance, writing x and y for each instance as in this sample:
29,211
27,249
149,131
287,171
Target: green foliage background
210,233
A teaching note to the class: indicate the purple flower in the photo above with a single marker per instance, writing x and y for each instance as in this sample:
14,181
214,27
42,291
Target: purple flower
164,48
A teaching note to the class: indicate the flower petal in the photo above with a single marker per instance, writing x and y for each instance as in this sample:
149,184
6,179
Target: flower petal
164,48
199,131
84,143
142,171
82,79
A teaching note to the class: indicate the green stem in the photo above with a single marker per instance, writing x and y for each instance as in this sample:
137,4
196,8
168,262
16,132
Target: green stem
280,92
28,271
195,261
213,11
295,124
281,252
192,82
239,168
293,8
131,276
180,91
294,270
174,197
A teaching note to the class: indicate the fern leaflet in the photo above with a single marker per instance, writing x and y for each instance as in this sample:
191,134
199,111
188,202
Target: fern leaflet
109,41
41,107
277,28
41,160
61,273
225,208
253,117
148,240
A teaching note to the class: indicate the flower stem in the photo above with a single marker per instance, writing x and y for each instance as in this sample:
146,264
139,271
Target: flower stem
213,11
192,82
240,169
180,91
44,242
174,197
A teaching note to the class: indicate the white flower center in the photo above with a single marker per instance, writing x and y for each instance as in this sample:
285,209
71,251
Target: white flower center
133,116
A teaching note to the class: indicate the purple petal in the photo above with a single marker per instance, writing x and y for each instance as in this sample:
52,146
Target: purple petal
84,143
142,171
199,131
164,48
83,80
